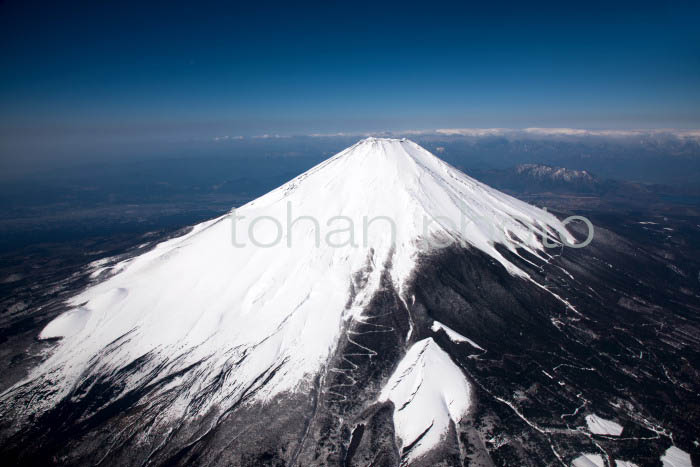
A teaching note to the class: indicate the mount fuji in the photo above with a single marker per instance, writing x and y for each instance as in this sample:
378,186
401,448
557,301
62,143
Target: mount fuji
382,308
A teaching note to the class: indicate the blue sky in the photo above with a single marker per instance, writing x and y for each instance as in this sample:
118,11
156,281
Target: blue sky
124,70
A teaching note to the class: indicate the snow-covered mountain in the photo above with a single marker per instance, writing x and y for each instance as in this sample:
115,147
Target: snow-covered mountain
273,304
302,328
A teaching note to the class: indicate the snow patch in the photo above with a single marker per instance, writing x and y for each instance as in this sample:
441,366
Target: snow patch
619,463
66,325
601,426
453,335
674,457
588,460
429,393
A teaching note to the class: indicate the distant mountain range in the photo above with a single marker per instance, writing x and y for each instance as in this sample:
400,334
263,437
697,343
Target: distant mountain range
538,177
579,189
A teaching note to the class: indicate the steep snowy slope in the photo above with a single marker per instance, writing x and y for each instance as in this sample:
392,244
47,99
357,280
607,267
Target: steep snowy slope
271,306
253,304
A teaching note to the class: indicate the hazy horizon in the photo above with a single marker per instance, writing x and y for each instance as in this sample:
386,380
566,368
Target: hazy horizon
94,79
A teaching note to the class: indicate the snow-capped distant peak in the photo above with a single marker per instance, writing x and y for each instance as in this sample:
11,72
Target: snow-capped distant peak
554,173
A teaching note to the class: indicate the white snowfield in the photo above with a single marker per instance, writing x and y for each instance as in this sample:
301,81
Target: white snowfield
619,463
596,460
601,426
588,460
429,393
674,457
252,313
